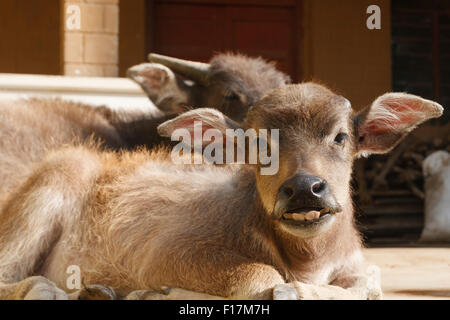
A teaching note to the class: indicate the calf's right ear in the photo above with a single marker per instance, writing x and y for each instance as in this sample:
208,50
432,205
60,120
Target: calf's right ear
380,127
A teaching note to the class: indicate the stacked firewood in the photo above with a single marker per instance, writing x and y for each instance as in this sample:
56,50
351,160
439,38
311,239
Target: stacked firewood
389,188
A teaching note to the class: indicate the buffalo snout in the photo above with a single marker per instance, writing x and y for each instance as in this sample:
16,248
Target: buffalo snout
305,193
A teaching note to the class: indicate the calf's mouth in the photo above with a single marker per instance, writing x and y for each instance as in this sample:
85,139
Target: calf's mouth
307,216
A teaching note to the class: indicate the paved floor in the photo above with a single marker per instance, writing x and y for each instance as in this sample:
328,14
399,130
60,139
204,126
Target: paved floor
413,273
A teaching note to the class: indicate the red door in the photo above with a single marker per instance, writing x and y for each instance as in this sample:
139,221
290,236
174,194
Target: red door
195,29
30,36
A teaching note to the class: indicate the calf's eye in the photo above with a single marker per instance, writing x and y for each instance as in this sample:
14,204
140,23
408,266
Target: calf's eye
340,138
232,97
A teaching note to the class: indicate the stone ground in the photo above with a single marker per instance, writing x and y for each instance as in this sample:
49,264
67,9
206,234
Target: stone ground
413,273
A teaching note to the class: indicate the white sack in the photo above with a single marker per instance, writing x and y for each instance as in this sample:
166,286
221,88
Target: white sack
436,170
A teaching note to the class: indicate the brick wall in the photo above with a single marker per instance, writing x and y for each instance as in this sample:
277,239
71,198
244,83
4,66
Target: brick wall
93,48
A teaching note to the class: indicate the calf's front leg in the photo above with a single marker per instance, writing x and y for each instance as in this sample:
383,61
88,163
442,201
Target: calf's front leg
259,281
247,280
209,273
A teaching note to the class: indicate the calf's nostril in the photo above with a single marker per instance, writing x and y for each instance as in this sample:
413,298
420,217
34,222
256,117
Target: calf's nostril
318,187
288,191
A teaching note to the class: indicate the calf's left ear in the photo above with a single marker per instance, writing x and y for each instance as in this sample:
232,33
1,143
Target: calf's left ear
380,127
204,118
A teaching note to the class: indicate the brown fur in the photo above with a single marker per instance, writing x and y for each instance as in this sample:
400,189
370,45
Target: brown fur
29,129
136,221
237,82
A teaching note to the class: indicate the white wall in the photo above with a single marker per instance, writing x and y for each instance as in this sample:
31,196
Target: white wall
116,93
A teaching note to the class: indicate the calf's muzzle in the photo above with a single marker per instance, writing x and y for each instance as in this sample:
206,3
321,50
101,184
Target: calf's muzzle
304,192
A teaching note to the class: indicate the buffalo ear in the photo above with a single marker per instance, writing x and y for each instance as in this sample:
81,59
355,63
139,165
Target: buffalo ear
169,94
206,117
380,127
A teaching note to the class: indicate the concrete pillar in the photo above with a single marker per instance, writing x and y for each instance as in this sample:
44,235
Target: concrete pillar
91,38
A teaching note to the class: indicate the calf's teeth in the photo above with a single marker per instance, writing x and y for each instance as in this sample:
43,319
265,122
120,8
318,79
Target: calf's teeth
299,216
295,216
312,215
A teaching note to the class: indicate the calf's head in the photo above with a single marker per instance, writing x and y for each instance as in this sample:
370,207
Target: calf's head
230,83
319,136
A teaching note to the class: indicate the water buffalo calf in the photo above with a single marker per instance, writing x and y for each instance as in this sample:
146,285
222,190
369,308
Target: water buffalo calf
135,221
